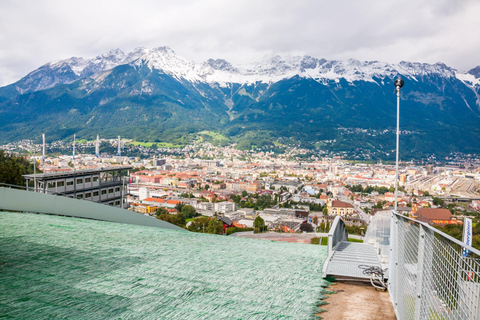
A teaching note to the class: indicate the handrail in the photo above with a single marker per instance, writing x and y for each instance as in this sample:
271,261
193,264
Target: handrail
12,185
15,186
443,234
432,275
338,232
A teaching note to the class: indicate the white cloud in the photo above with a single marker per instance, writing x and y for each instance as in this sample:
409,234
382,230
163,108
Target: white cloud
36,32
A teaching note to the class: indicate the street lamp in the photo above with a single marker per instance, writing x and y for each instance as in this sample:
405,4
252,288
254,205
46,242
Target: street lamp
398,84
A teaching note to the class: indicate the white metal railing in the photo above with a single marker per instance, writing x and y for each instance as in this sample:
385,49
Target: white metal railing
15,186
337,233
432,275
378,235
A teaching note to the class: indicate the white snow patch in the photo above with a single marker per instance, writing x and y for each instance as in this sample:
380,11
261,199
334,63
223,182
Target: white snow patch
268,71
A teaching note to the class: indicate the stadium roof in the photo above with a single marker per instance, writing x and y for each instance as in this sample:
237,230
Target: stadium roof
61,267
67,174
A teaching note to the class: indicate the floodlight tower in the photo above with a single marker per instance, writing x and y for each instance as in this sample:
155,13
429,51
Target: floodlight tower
398,84
119,151
43,148
97,147
73,152
34,168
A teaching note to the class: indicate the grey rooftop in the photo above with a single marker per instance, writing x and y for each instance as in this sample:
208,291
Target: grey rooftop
72,173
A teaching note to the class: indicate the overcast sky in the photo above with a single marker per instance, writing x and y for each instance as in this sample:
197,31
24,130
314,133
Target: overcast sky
33,33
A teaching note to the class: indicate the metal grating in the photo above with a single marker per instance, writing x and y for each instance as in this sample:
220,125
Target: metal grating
347,258
432,277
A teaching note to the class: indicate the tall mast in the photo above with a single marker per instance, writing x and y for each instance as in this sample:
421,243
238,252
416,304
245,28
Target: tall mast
97,147
119,151
398,84
43,149
34,168
73,153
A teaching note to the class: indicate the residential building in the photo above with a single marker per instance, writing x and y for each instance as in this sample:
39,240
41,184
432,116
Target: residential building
161,202
436,216
225,206
339,208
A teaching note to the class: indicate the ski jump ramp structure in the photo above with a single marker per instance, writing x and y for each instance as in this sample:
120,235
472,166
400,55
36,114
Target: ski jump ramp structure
37,202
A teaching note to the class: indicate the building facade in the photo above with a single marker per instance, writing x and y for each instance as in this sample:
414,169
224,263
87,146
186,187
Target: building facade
339,208
103,185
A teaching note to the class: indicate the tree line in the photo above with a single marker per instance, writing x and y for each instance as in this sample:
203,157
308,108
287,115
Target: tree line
12,169
357,188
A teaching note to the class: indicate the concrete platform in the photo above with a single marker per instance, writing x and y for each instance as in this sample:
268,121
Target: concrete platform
359,301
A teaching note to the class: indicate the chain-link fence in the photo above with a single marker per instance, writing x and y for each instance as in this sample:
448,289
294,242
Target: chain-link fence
432,275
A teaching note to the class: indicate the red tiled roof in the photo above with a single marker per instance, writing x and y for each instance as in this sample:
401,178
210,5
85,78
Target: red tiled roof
435,214
287,229
161,201
239,225
341,204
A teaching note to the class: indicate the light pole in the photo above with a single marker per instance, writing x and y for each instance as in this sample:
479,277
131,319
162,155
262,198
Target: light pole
34,168
398,84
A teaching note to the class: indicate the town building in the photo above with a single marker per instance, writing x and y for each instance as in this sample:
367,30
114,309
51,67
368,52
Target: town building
225,206
104,185
159,162
436,216
339,208
169,204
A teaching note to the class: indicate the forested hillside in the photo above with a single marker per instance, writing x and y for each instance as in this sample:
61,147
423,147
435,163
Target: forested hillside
12,168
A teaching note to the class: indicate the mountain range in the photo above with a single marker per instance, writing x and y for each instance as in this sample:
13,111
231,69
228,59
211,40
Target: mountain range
155,95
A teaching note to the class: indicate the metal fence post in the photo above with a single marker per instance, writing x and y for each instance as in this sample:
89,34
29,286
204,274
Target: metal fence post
398,246
392,276
478,309
420,269
330,245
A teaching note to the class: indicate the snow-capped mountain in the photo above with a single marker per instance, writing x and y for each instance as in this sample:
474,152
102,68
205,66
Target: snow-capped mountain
68,71
223,73
475,72
154,94
277,68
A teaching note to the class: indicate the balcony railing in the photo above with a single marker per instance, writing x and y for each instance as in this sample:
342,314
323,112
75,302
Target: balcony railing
432,275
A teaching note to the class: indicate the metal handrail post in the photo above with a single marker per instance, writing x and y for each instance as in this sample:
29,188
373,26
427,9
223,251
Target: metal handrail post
393,275
420,271
397,284
330,244
34,170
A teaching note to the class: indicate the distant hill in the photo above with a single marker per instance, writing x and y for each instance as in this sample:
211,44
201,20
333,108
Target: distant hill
155,95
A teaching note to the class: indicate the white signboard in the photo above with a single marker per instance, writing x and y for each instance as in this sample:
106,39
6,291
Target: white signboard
467,235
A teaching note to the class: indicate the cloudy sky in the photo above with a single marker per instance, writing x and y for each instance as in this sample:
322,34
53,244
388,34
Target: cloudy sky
33,33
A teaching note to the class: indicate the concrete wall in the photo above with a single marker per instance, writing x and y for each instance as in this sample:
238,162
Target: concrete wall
20,200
